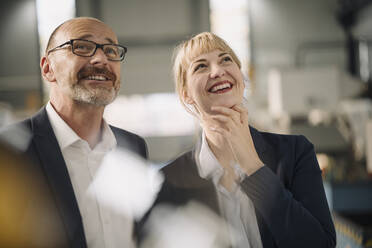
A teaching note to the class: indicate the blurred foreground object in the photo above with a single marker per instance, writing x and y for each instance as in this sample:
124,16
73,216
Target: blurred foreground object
192,225
6,116
18,136
126,184
28,216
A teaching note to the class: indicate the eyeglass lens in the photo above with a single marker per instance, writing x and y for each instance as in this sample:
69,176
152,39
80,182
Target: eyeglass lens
87,48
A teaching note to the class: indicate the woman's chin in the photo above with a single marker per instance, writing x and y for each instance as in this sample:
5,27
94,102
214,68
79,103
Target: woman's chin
226,104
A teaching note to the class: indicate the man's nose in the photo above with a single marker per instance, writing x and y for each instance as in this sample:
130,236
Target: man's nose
216,71
99,57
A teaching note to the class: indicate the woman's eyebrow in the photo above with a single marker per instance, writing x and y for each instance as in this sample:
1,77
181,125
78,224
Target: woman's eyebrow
221,54
199,60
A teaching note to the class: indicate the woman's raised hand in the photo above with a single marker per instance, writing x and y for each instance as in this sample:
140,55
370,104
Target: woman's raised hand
232,125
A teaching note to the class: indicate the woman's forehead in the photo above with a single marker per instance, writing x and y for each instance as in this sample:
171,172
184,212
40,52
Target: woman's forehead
196,54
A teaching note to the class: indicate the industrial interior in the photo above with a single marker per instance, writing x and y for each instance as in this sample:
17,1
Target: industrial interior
308,65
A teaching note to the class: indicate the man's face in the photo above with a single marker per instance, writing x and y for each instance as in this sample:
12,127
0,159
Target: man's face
92,80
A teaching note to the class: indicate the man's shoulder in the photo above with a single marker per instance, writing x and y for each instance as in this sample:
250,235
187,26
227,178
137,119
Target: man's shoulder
131,141
122,133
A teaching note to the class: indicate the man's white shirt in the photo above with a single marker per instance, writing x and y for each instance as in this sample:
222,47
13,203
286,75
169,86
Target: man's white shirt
102,227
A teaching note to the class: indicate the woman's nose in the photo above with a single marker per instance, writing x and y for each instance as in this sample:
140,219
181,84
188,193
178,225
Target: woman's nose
216,71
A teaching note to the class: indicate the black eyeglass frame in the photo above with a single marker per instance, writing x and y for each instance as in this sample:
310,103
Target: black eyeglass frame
71,42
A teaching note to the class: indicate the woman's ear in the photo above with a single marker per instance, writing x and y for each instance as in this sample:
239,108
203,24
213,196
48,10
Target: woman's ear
46,70
187,99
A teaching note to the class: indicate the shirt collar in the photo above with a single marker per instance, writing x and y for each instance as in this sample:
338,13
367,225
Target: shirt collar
66,136
108,141
208,164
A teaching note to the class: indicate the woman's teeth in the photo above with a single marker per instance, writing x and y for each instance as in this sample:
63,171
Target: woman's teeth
219,87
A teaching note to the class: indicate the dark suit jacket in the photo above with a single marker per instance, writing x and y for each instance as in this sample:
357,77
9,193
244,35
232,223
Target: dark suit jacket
46,155
287,193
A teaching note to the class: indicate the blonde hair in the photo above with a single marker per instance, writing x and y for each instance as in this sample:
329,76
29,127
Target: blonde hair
185,52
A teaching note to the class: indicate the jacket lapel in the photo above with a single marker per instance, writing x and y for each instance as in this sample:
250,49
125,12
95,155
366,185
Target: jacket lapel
57,175
264,150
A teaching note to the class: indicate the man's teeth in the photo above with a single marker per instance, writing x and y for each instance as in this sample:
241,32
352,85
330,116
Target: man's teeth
220,87
97,78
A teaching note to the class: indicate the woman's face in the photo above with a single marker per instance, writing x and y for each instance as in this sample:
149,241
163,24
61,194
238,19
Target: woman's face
213,79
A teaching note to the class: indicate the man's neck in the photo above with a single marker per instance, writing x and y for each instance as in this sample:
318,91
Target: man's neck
84,119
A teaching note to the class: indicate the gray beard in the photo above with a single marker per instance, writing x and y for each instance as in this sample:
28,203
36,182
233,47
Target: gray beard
99,96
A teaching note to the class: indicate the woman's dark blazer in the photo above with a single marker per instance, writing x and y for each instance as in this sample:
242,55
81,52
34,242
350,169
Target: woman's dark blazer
287,193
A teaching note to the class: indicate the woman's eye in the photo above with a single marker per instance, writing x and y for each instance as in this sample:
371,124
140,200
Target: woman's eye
199,66
227,58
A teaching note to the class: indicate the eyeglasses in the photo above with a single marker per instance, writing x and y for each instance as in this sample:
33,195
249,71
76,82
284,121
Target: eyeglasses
87,48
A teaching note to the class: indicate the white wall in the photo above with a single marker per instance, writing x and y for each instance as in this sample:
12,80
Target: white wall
279,27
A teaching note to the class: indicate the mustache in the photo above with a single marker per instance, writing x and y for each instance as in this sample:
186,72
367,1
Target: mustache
91,70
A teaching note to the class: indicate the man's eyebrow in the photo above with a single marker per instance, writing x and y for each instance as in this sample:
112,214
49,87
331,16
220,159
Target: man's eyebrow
110,41
89,36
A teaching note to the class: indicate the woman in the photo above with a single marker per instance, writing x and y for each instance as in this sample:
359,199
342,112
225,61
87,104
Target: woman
267,186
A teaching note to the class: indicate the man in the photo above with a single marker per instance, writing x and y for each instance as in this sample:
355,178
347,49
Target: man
70,136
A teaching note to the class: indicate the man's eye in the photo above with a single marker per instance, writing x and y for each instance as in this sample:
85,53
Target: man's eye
83,47
111,50
199,66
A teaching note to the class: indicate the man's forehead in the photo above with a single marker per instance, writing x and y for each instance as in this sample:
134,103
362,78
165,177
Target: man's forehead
85,29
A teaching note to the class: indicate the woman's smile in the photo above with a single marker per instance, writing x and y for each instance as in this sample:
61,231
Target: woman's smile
220,87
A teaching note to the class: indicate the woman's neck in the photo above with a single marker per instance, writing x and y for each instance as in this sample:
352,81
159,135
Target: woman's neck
220,148
222,151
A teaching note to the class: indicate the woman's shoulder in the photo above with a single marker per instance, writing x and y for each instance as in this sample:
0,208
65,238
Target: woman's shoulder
278,139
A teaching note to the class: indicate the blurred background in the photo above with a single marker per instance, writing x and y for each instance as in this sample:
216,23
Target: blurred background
308,63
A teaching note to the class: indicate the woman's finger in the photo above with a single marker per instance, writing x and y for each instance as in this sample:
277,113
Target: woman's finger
228,112
243,113
221,131
225,122
222,118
